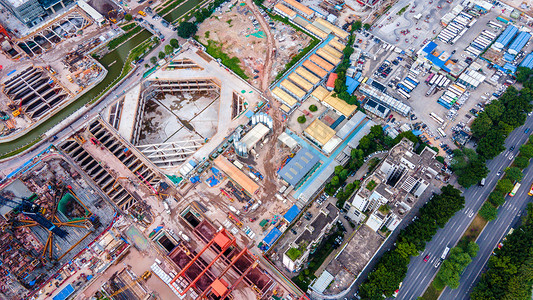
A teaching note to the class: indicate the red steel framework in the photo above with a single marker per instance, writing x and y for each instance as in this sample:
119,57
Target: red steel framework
223,240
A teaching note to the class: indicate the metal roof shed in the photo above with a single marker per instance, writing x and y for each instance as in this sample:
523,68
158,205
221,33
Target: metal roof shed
255,135
298,167
322,283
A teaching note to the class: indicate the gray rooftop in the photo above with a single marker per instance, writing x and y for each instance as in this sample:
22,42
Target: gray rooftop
299,166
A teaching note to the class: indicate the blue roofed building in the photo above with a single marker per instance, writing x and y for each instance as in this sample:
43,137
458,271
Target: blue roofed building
64,293
519,42
271,237
300,167
509,68
527,61
505,38
351,85
291,214
438,59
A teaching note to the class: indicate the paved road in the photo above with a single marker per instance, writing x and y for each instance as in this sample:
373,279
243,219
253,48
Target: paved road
421,273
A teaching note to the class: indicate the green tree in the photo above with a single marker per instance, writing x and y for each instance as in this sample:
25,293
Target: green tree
161,55
153,60
174,43
488,212
168,49
472,249
357,25
521,162
504,185
527,151
453,266
343,175
495,110
492,144
514,173
313,108
335,181
338,169
128,17
301,119
406,249
367,26
481,125
497,198
187,29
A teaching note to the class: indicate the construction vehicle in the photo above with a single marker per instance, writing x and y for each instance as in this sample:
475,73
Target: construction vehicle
144,277
142,13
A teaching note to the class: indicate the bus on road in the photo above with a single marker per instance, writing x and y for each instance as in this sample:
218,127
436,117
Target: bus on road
530,190
515,189
445,253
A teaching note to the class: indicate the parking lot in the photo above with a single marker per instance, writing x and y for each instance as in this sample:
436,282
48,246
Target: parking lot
419,22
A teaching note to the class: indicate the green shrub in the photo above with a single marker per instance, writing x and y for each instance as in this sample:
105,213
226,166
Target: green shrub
301,119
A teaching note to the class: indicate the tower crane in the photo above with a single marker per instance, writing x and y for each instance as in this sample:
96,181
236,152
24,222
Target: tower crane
32,211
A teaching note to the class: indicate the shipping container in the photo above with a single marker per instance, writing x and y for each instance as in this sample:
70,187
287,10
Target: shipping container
404,94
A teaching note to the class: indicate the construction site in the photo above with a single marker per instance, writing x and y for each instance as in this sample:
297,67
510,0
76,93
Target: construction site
183,111
235,32
49,214
50,67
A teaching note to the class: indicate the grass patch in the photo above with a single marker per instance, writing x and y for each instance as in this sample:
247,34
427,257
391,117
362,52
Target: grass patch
21,149
170,7
431,293
371,185
294,253
114,43
233,63
402,10
473,231
128,27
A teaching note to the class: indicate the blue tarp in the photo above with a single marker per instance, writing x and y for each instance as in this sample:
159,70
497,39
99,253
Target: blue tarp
417,132
272,236
65,293
430,47
249,114
291,213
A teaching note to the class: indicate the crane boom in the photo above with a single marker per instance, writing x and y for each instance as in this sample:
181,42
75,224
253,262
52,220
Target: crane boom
31,210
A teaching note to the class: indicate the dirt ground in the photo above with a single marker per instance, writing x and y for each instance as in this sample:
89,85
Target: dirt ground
233,26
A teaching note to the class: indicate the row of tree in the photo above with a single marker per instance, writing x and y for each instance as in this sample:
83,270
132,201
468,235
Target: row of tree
491,128
391,269
458,259
513,174
173,44
510,273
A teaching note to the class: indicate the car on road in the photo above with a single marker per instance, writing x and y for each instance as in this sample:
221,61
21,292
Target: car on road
499,173
426,258
512,148
527,130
